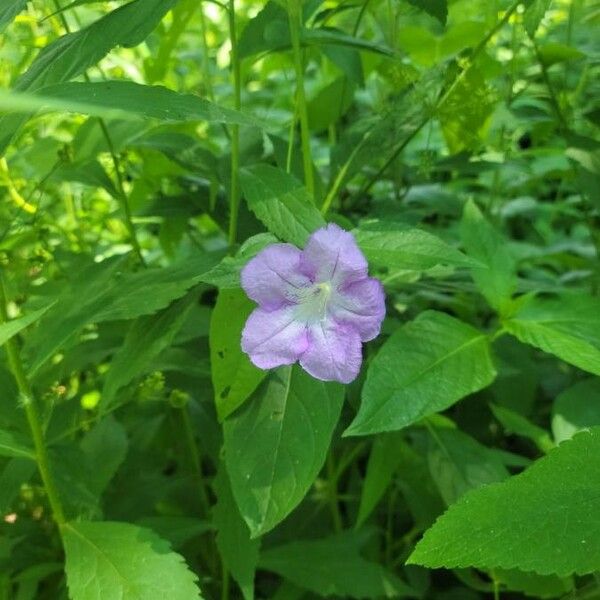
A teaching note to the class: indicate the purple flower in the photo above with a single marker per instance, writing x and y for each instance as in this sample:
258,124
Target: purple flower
315,306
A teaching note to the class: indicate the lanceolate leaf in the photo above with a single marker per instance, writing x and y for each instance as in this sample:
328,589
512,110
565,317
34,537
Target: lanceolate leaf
276,444
12,328
425,367
544,520
9,10
281,203
120,560
568,328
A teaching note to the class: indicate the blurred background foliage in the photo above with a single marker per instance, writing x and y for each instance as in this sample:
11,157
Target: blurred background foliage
415,108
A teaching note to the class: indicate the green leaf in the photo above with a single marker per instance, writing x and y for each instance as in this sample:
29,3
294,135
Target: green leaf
517,424
576,409
12,328
534,14
333,566
226,275
281,202
74,53
234,377
120,560
425,367
238,552
568,327
436,8
129,100
13,445
276,444
101,292
9,10
544,520
15,473
553,53
458,463
400,247
384,459
147,338
531,584
495,278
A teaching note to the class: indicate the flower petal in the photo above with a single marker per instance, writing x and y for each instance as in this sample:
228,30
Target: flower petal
334,352
275,338
331,254
362,305
273,275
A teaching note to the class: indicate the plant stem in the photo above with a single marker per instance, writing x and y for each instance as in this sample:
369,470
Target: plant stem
295,20
31,412
234,202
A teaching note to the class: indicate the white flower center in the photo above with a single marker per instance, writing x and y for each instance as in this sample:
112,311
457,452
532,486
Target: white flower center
313,302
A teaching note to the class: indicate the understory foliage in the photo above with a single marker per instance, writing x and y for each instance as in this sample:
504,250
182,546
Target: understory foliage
149,149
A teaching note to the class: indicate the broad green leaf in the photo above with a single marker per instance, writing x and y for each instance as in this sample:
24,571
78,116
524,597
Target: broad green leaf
238,552
12,328
129,100
543,520
458,463
234,377
74,53
568,327
9,10
330,104
534,14
120,560
13,445
399,247
576,409
176,530
281,202
276,444
147,338
385,457
517,424
495,278
554,53
436,8
534,585
333,566
425,367
102,292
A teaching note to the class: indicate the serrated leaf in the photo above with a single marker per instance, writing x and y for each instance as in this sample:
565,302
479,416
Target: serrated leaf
12,328
276,444
544,520
234,377
238,551
568,328
425,367
495,278
147,338
404,248
119,560
281,202
333,566
576,409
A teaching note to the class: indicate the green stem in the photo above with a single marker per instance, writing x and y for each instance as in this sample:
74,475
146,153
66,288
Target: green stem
295,20
31,412
234,203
